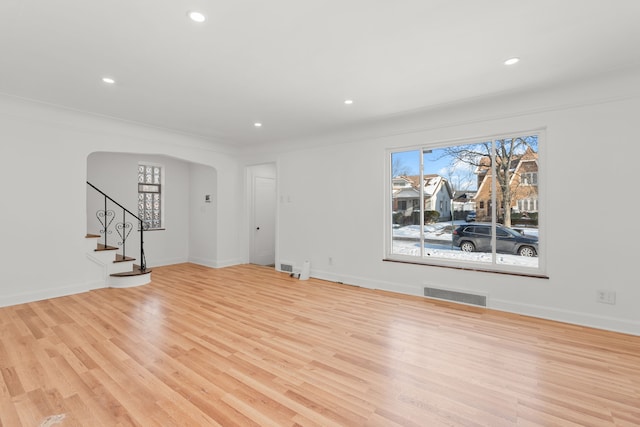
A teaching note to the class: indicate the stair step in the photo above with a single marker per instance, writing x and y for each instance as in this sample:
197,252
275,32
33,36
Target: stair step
102,247
120,258
92,236
135,272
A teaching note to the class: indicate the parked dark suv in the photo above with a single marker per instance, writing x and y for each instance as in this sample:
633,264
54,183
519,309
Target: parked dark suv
477,237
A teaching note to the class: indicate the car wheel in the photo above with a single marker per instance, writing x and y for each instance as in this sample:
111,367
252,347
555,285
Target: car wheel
526,251
467,247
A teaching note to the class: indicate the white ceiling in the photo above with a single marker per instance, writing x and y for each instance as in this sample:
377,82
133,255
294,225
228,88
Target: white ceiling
290,64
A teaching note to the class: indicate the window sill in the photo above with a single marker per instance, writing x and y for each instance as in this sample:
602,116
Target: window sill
481,270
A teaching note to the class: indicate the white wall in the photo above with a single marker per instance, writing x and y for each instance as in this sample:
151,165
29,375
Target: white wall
203,216
43,169
333,206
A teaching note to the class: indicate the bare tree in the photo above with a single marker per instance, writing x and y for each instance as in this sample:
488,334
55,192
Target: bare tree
460,177
398,167
507,155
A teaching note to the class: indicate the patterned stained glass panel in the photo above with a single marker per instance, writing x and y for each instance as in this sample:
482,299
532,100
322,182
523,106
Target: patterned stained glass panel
149,195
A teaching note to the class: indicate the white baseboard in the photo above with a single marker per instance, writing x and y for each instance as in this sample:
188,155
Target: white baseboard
167,261
215,264
26,297
566,316
366,283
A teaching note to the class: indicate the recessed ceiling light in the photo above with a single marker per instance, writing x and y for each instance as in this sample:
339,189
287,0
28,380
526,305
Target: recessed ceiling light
197,16
511,61
257,124
108,80
348,101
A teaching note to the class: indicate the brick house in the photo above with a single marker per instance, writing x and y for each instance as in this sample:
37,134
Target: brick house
523,185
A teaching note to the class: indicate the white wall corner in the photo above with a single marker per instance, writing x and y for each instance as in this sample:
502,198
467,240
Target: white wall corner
214,263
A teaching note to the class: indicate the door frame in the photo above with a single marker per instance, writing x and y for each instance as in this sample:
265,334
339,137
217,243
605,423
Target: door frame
263,170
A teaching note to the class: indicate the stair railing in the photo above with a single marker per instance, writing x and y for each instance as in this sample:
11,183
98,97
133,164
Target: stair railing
105,218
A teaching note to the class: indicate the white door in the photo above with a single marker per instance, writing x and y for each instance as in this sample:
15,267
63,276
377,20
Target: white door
263,251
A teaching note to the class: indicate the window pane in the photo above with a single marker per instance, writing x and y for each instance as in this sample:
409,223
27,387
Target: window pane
405,203
517,158
451,176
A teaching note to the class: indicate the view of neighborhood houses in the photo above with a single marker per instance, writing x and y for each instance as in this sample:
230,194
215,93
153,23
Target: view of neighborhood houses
456,186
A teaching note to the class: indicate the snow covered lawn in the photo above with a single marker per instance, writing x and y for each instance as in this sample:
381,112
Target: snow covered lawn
438,245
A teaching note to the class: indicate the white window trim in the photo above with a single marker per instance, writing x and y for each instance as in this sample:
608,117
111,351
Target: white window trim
540,271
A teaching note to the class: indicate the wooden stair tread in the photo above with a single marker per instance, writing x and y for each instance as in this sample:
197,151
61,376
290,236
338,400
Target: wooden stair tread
102,247
92,236
135,272
120,258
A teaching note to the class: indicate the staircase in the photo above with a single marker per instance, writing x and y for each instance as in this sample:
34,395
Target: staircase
119,270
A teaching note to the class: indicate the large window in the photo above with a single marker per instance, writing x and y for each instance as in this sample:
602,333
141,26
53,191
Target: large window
470,205
150,196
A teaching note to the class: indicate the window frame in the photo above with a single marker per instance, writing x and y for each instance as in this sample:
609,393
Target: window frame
493,266
161,191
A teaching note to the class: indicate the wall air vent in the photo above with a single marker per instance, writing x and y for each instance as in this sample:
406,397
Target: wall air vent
288,268
456,296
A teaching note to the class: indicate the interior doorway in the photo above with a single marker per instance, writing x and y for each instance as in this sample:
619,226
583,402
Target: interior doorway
262,181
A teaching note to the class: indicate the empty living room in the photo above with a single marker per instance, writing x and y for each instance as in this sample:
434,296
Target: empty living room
320,213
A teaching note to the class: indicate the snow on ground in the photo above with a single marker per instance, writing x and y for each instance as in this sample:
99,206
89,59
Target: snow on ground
438,245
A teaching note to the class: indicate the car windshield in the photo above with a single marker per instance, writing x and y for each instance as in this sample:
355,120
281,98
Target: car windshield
512,232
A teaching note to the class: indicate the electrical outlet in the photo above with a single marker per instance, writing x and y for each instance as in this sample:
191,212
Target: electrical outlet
606,297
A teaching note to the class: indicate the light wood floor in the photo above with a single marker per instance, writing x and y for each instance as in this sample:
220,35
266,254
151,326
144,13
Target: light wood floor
246,345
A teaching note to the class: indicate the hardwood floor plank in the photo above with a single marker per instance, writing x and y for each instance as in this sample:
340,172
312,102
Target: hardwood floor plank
246,345
12,384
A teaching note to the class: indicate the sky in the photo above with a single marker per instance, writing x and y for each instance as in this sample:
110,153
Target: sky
435,162
460,175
